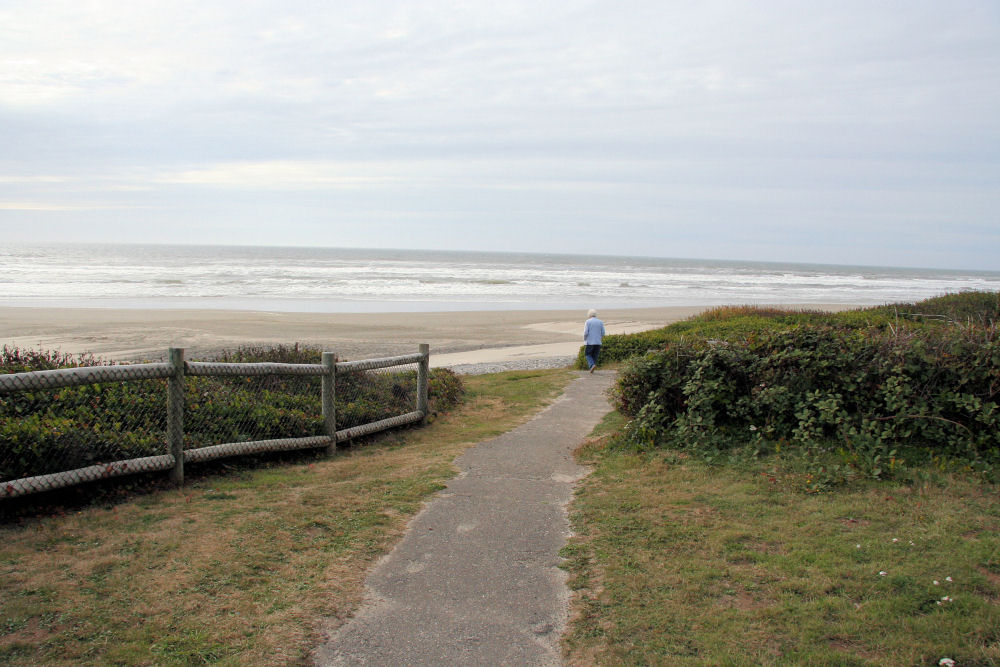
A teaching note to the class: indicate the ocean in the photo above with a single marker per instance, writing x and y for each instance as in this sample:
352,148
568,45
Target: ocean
288,279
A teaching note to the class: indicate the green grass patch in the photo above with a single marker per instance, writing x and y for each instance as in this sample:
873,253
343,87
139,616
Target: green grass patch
679,562
735,323
252,567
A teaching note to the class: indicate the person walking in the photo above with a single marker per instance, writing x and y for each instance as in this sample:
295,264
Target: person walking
593,334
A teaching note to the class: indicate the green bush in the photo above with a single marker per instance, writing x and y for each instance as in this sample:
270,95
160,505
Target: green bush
17,360
44,431
867,387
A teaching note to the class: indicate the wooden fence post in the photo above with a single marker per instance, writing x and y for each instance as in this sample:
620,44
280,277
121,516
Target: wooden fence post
328,400
175,414
423,373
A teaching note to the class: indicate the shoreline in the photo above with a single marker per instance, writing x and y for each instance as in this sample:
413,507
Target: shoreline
455,337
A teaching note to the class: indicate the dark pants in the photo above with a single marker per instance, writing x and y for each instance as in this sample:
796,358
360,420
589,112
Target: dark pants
593,353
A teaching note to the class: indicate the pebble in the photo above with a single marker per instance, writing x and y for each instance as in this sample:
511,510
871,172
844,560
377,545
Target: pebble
516,365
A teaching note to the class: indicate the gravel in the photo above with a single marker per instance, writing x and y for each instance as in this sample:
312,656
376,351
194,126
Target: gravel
519,365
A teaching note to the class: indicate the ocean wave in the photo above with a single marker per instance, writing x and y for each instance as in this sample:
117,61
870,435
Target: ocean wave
315,277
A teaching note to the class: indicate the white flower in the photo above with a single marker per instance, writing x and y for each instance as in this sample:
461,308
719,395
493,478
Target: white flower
936,582
946,662
753,428
882,573
947,578
895,539
859,546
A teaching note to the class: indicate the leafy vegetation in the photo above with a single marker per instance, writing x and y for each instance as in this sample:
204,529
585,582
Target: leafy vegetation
846,395
44,431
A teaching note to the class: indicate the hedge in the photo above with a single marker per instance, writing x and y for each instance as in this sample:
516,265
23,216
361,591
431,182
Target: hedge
924,379
52,430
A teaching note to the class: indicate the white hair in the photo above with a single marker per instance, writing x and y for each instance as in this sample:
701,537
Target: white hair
591,313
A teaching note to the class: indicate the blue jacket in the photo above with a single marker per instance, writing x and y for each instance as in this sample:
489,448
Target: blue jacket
593,331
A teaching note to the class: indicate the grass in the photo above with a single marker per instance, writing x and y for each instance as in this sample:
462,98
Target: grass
735,323
251,568
677,562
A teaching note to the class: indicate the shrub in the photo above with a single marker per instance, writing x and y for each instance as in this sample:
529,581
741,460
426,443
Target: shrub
44,431
17,360
868,393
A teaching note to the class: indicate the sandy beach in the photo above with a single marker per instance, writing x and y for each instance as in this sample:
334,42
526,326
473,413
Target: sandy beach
455,338
459,337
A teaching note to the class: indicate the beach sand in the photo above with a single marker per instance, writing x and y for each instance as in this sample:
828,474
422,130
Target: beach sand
454,337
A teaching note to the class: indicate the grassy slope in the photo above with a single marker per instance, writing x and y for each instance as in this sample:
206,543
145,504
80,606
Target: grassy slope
736,322
680,562
676,562
244,569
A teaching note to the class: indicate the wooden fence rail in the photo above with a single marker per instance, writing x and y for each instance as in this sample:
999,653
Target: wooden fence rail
175,371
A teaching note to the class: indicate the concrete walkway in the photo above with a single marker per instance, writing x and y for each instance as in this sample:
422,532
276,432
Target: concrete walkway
475,580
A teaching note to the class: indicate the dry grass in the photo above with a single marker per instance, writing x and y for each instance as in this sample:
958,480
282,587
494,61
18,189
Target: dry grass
244,569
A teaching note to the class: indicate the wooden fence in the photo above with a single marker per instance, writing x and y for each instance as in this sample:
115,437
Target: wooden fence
175,371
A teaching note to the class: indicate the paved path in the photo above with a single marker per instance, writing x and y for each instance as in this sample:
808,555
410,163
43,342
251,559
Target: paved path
475,580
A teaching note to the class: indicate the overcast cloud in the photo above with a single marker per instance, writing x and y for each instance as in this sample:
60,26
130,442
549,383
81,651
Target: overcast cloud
841,132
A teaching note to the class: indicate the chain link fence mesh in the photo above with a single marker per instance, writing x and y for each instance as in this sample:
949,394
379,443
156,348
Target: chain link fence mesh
67,426
369,396
84,430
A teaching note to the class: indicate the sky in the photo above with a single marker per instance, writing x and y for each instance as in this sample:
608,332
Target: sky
848,132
